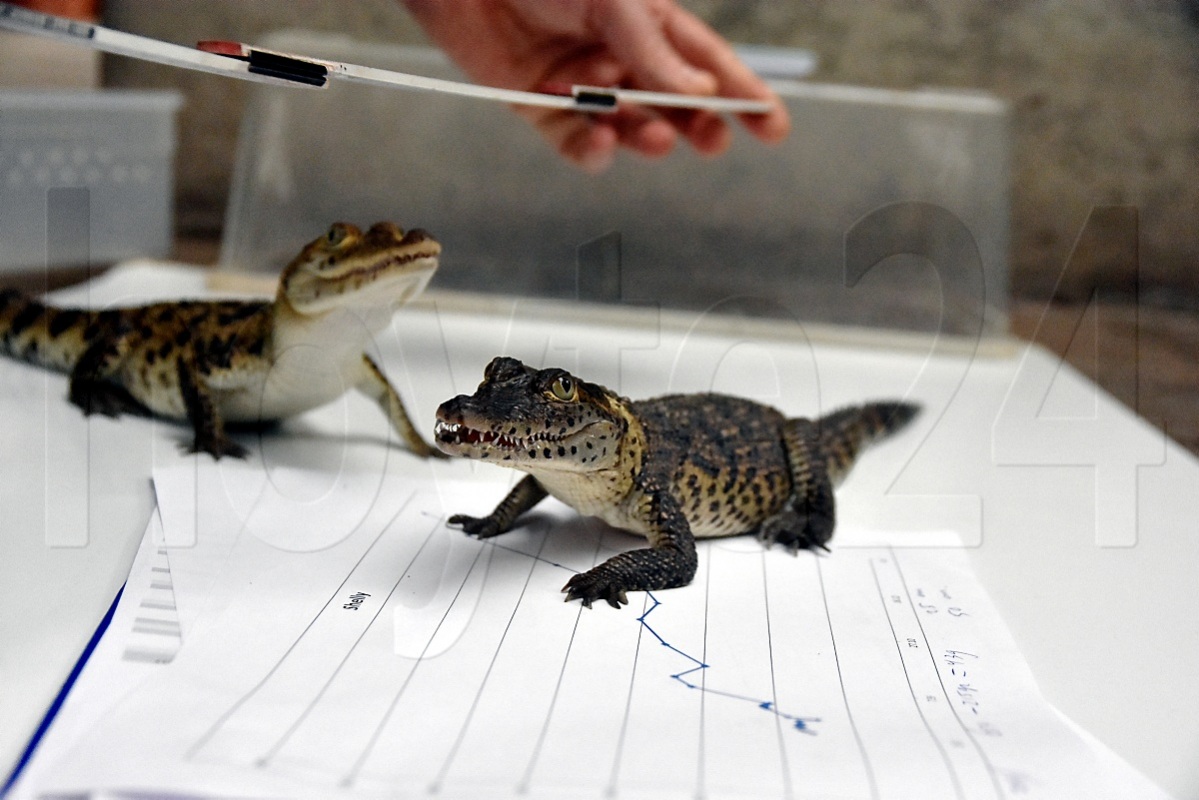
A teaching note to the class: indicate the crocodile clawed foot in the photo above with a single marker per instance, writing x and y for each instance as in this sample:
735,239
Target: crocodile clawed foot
96,397
589,587
217,448
480,527
797,531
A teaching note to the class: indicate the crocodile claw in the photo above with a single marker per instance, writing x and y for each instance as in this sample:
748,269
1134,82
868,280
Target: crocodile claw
796,531
216,448
589,587
481,527
96,397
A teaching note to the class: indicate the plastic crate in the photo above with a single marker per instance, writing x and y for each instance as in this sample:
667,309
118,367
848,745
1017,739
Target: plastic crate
85,176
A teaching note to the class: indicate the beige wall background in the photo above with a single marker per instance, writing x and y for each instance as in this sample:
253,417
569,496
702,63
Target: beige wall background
1104,95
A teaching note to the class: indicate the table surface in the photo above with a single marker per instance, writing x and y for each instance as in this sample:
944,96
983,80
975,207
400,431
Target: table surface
1078,516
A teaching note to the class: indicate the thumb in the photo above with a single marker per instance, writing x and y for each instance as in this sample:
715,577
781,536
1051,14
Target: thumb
639,42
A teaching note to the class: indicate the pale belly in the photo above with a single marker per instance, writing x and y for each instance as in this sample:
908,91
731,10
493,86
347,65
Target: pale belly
289,387
281,394
702,526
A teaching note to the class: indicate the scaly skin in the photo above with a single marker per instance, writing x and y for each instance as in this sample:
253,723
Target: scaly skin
671,469
218,362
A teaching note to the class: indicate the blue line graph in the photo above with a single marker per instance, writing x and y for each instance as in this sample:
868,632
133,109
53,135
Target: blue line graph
801,724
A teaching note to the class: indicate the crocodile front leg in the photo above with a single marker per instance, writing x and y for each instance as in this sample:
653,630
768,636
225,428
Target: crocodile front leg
669,561
377,387
526,494
202,412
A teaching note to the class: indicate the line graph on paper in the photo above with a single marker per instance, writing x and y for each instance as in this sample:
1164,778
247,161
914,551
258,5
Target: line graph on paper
695,666
437,663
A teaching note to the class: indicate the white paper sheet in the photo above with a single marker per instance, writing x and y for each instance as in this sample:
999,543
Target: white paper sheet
396,656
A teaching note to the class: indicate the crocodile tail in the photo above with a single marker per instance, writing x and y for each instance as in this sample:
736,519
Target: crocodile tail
844,433
40,334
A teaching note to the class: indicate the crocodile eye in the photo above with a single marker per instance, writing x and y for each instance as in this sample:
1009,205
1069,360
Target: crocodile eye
337,234
564,389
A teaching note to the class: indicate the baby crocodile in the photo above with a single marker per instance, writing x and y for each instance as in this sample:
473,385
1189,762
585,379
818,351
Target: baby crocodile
226,361
670,469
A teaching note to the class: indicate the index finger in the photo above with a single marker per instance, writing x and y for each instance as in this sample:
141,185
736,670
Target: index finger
706,49
640,42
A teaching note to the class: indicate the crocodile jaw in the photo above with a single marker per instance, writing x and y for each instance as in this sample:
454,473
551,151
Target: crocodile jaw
590,448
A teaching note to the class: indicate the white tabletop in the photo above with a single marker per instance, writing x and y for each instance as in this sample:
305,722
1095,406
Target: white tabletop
1079,518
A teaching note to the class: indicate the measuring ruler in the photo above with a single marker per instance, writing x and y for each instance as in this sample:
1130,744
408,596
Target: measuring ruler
237,60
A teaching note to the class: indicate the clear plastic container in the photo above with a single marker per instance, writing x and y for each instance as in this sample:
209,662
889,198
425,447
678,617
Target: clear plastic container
883,209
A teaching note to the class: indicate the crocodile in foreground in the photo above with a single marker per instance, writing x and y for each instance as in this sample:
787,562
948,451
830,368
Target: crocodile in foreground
230,361
671,469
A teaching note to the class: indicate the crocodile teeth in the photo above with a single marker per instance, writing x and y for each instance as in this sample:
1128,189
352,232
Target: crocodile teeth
455,433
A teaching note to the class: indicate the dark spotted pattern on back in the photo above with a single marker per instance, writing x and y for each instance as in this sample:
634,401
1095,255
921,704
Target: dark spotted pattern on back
23,319
721,457
130,359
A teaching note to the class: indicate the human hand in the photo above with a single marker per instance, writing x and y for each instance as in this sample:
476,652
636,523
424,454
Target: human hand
636,44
